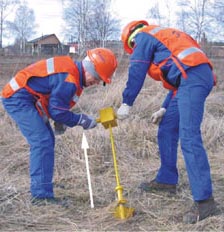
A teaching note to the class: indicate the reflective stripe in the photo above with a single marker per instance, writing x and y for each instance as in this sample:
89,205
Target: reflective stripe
50,65
187,52
14,85
75,98
155,30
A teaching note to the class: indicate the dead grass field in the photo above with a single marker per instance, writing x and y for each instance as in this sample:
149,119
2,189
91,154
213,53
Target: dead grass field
137,156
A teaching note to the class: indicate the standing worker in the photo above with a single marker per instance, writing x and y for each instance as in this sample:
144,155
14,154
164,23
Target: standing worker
48,89
173,57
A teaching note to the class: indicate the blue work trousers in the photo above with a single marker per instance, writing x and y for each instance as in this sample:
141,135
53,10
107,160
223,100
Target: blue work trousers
40,137
182,120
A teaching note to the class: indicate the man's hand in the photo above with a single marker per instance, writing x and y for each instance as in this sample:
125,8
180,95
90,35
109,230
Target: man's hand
123,111
87,122
158,115
59,128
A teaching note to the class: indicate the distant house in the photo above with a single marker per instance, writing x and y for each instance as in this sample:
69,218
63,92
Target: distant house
46,45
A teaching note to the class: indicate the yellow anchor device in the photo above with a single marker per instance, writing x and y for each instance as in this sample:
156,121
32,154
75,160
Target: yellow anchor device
108,120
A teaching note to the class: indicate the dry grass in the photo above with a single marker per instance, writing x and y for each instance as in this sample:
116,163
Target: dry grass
137,154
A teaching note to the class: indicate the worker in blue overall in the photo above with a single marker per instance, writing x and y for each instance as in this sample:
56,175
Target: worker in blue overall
48,89
174,58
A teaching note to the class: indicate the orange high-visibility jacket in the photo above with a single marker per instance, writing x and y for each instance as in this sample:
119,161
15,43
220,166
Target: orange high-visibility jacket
183,49
43,68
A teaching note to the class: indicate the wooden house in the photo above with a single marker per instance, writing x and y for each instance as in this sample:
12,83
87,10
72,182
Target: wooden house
46,45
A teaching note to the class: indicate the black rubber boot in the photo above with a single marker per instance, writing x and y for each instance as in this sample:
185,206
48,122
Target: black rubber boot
200,210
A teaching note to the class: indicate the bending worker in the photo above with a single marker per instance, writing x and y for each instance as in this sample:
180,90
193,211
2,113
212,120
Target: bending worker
48,89
173,57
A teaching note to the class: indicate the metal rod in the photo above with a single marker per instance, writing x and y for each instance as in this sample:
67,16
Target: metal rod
114,156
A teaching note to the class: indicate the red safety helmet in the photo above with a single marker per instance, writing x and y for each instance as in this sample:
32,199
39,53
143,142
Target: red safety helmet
127,32
104,62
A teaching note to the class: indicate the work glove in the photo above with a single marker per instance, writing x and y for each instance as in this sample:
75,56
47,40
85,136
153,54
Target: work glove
123,111
59,128
158,115
87,122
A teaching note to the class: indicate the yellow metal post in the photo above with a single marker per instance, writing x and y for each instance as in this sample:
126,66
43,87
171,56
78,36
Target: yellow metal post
108,120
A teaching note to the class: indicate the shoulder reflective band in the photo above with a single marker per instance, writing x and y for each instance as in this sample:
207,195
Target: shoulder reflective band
155,30
187,52
13,84
50,65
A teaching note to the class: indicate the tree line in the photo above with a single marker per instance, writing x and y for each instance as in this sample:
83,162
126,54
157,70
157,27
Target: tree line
95,21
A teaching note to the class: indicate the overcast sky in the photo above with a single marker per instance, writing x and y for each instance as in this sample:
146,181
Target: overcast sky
48,13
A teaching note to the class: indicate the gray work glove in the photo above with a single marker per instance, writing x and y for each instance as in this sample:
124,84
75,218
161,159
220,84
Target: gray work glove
123,111
59,128
158,115
87,122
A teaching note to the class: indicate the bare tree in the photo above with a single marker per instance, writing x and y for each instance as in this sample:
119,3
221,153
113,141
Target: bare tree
23,26
161,13
105,26
194,17
6,8
219,11
76,15
217,19
89,22
182,16
154,14
168,17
